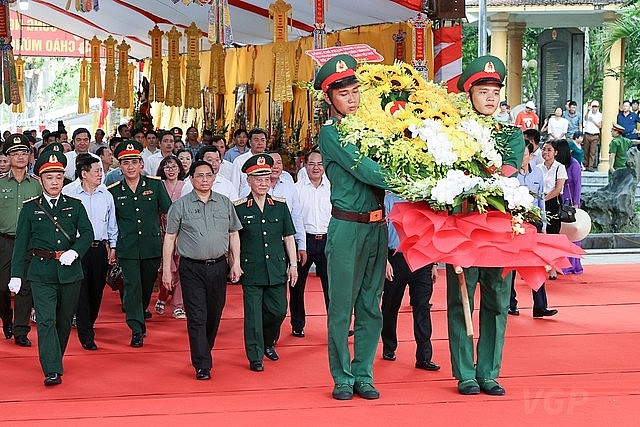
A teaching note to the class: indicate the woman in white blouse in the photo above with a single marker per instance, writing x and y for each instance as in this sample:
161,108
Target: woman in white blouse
557,125
555,174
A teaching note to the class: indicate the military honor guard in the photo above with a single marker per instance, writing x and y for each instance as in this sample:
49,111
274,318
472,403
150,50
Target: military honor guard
101,210
139,200
268,259
56,230
482,80
356,238
205,226
16,186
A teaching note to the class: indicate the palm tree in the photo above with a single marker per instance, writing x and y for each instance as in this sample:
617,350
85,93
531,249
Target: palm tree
627,29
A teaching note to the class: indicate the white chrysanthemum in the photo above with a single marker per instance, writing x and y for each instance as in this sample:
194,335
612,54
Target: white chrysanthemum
454,184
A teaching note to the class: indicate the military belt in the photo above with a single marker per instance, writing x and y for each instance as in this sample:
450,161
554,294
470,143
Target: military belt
48,254
8,236
365,217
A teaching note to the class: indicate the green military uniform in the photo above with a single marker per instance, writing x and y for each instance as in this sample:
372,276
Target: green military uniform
494,301
619,146
12,196
55,287
263,260
139,245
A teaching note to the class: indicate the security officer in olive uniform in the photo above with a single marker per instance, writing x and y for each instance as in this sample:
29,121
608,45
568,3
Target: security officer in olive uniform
58,229
264,257
16,186
482,80
139,200
356,238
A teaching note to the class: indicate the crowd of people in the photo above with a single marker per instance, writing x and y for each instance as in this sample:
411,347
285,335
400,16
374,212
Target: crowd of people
190,215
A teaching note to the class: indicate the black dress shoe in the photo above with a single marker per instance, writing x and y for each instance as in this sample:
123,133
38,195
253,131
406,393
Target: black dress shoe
544,313
8,331
271,354
389,355
147,314
90,345
491,387
203,374
427,366
53,378
298,333
514,312
366,390
22,341
256,366
136,340
342,392
468,387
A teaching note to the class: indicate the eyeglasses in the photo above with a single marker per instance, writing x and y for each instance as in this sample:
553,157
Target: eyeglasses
203,176
170,167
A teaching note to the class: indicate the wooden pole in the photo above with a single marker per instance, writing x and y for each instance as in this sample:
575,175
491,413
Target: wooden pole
466,308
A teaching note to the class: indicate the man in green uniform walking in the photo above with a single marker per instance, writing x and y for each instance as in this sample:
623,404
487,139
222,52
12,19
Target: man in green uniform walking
356,238
267,246
139,200
482,80
58,229
16,186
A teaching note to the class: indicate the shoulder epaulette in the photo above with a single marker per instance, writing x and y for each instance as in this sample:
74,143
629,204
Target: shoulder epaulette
329,122
72,198
30,200
154,177
240,201
279,199
114,184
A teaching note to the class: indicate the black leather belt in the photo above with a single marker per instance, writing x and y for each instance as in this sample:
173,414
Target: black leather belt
316,236
8,236
204,261
365,217
98,243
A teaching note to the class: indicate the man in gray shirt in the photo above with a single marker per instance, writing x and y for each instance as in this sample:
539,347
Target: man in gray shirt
205,226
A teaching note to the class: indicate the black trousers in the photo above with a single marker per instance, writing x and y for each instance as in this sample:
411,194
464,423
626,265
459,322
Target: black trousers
315,255
94,267
204,292
539,296
23,301
420,290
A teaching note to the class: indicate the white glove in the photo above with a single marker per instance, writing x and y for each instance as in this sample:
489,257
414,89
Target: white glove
15,284
68,257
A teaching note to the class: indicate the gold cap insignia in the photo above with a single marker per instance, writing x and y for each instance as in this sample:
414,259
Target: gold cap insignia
55,148
261,161
489,67
17,140
53,159
341,66
129,147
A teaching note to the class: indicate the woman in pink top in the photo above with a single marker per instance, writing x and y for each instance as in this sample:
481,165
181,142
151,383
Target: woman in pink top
172,174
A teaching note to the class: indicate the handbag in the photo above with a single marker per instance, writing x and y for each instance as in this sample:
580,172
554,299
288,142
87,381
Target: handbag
566,212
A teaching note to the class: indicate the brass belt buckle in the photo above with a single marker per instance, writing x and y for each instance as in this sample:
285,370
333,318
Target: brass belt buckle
375,216
319,236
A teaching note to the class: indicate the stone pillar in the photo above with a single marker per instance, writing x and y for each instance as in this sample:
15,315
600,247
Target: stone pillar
612,95
514,63
498,26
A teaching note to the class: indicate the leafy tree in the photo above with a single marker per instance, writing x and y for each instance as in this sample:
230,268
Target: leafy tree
627,29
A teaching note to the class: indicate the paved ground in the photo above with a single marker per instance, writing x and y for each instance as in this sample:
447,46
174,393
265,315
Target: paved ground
612,256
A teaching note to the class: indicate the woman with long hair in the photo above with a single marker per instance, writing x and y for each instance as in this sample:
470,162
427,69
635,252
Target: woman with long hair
186,158
172,174
571,192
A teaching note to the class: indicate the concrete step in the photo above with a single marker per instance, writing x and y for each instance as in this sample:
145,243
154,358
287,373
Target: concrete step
591,181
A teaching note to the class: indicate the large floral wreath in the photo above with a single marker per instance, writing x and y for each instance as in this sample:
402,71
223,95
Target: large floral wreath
437,148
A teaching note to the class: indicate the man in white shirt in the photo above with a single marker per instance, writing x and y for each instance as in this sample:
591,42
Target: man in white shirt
226,167
152,145
592,126
314,192
81,139
99,141
152,162
221,185
258,143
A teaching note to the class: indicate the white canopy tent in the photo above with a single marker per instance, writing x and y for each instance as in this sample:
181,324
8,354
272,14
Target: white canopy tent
132,19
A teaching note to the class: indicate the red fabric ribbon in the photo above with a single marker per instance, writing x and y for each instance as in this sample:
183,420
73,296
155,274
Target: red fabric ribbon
478,240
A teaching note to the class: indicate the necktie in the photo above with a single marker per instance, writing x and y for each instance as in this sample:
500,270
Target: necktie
53,203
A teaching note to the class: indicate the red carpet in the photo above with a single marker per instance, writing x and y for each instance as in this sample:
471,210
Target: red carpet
578,368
